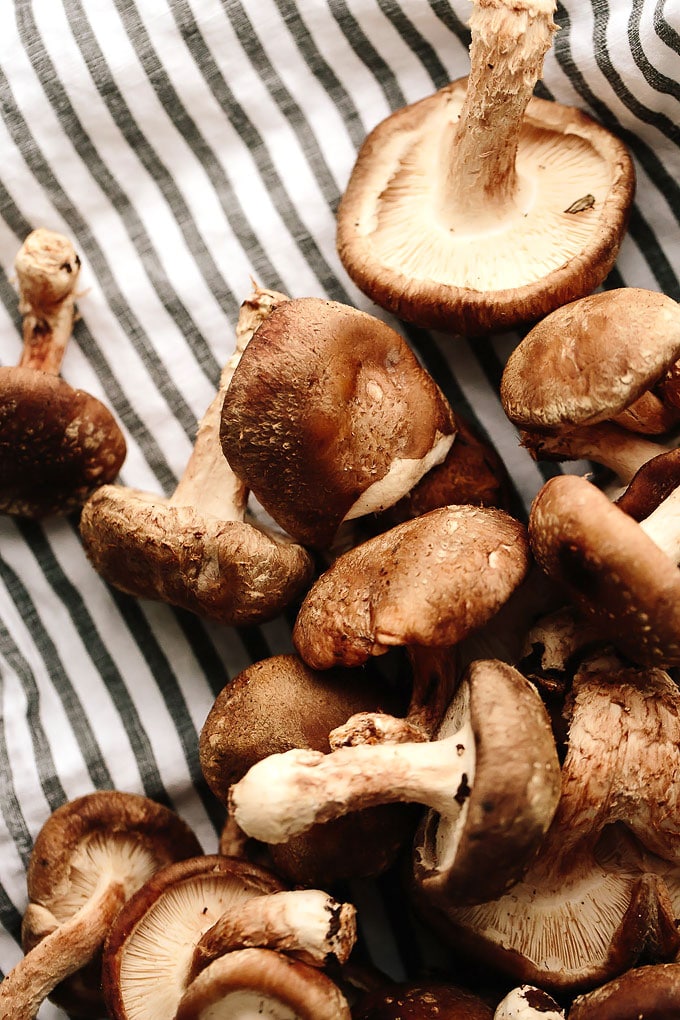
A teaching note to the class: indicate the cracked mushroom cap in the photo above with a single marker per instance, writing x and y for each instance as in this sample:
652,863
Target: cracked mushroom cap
643,993
149,951
507,800
481,207
280,703
57,444
616,574
262,983
122,836
591,359
428,581
330,416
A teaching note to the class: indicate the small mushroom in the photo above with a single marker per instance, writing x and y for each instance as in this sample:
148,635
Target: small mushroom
330,416
57,444
482,206
90,856
593,903
622,574
196,550
261,983
491,779
592,360
280,703
190,913
643,993
527,1002
421,1000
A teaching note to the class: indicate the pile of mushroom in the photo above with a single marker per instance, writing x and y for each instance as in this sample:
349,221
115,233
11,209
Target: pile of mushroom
537,813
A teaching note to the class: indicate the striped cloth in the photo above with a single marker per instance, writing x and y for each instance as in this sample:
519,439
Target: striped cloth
187,146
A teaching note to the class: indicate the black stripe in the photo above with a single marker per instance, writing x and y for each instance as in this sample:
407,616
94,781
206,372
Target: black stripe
369,56
663,28
10,918
654,76
416,42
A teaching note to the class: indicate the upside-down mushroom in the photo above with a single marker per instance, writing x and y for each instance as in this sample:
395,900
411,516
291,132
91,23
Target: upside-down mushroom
330,416
482,206
190,914
490,779
195,549
262,983
280,703
90,856
57,444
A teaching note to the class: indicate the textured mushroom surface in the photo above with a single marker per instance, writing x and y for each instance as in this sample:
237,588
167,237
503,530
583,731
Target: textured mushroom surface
592,358
422,1000
330,415
644,993
428,581
471,210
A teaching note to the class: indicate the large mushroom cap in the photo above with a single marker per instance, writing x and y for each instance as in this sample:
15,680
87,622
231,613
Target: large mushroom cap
589,360
615,573
508,804
444,270
57,444
428,581
330,414
650,993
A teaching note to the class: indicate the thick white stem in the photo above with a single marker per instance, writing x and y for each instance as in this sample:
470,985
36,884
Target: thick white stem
285,794
663,526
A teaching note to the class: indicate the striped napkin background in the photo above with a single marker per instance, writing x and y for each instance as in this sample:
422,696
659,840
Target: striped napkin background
187,146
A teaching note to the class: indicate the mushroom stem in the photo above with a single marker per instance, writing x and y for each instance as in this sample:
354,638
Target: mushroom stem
509,41
608,444
208,481
47,269
663,526
306,923
64,951
286,794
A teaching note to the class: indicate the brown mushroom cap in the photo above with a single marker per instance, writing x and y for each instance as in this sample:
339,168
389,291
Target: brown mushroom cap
123,836
280,703
589,360
228,571
149,950
57,444
614,572
327,407
422,1000
262,983
428,581
433,264
644,993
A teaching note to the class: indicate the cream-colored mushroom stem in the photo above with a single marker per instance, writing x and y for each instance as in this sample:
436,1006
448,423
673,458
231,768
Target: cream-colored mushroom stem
65,950
208,481
308,924
47,269
622,452
509,41
285,794
663,526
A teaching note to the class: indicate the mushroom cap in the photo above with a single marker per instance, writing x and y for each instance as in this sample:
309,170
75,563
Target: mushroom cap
651,484
57,444
228,571
507,806
260,982
421,1000
280,703
651,993
399,247
589,360
327,403
149,950
124,834
428,581
613,571
528,1003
